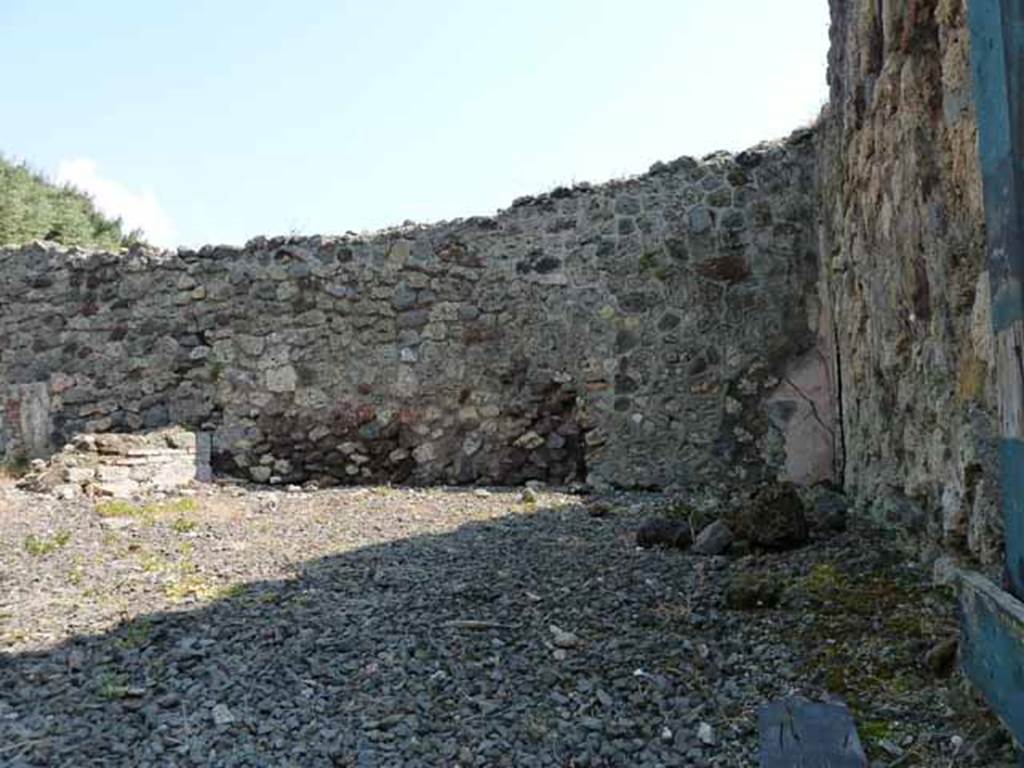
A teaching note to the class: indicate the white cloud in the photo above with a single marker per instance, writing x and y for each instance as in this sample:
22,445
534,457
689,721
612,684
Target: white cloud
138,210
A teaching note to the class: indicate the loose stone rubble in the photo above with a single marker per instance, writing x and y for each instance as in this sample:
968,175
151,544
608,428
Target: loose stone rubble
401,627
122,465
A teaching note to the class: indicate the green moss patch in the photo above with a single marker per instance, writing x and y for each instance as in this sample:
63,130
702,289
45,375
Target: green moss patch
152,511
865,633
39,546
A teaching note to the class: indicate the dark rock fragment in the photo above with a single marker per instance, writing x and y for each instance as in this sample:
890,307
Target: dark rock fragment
941,659
773,518
658,532
749,591
599,508
714,539
828,512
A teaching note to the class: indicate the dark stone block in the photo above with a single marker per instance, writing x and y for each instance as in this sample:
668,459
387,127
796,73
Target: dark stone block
796,732
416,318
730,268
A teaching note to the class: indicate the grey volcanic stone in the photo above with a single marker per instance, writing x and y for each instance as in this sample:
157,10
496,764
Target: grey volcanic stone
659,532
715,539
773,518
829,512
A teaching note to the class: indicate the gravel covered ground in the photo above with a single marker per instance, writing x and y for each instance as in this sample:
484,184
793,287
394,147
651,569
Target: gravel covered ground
379,627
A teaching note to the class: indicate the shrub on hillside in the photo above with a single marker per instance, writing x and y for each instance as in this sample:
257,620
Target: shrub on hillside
32,208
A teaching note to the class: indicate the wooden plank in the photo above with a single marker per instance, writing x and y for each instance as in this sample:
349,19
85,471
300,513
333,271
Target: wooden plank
796,733
992,647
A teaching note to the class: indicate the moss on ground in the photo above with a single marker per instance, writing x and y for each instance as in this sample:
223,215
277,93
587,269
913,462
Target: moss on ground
751,591
865,636
40,546
152,512
696,519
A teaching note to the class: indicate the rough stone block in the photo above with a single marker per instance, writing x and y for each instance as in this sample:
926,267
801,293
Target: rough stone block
796,732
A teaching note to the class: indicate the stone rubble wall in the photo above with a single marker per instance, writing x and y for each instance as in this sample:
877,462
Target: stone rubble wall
903,271
653,331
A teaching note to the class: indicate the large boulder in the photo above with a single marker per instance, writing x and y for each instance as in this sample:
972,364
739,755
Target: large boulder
773,518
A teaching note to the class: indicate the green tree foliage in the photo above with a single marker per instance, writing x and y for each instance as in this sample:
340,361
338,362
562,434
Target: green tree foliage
32,208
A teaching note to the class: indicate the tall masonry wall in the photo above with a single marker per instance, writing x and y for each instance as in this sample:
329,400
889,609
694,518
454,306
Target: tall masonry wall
655,331
903,271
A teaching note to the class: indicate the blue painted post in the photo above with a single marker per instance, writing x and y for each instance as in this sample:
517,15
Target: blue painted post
992,621
997,43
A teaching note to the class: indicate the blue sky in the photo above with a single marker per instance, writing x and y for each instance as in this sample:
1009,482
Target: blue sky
218,120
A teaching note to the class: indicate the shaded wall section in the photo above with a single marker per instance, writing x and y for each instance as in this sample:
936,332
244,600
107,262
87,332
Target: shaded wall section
903,260
636,334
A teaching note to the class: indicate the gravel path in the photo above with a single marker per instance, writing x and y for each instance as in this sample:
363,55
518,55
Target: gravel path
380,627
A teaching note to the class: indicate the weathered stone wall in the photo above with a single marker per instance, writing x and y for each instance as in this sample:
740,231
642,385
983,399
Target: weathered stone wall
902,269
640,333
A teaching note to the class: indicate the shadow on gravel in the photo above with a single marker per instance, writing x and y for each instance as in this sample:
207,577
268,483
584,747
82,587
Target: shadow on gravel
435,650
